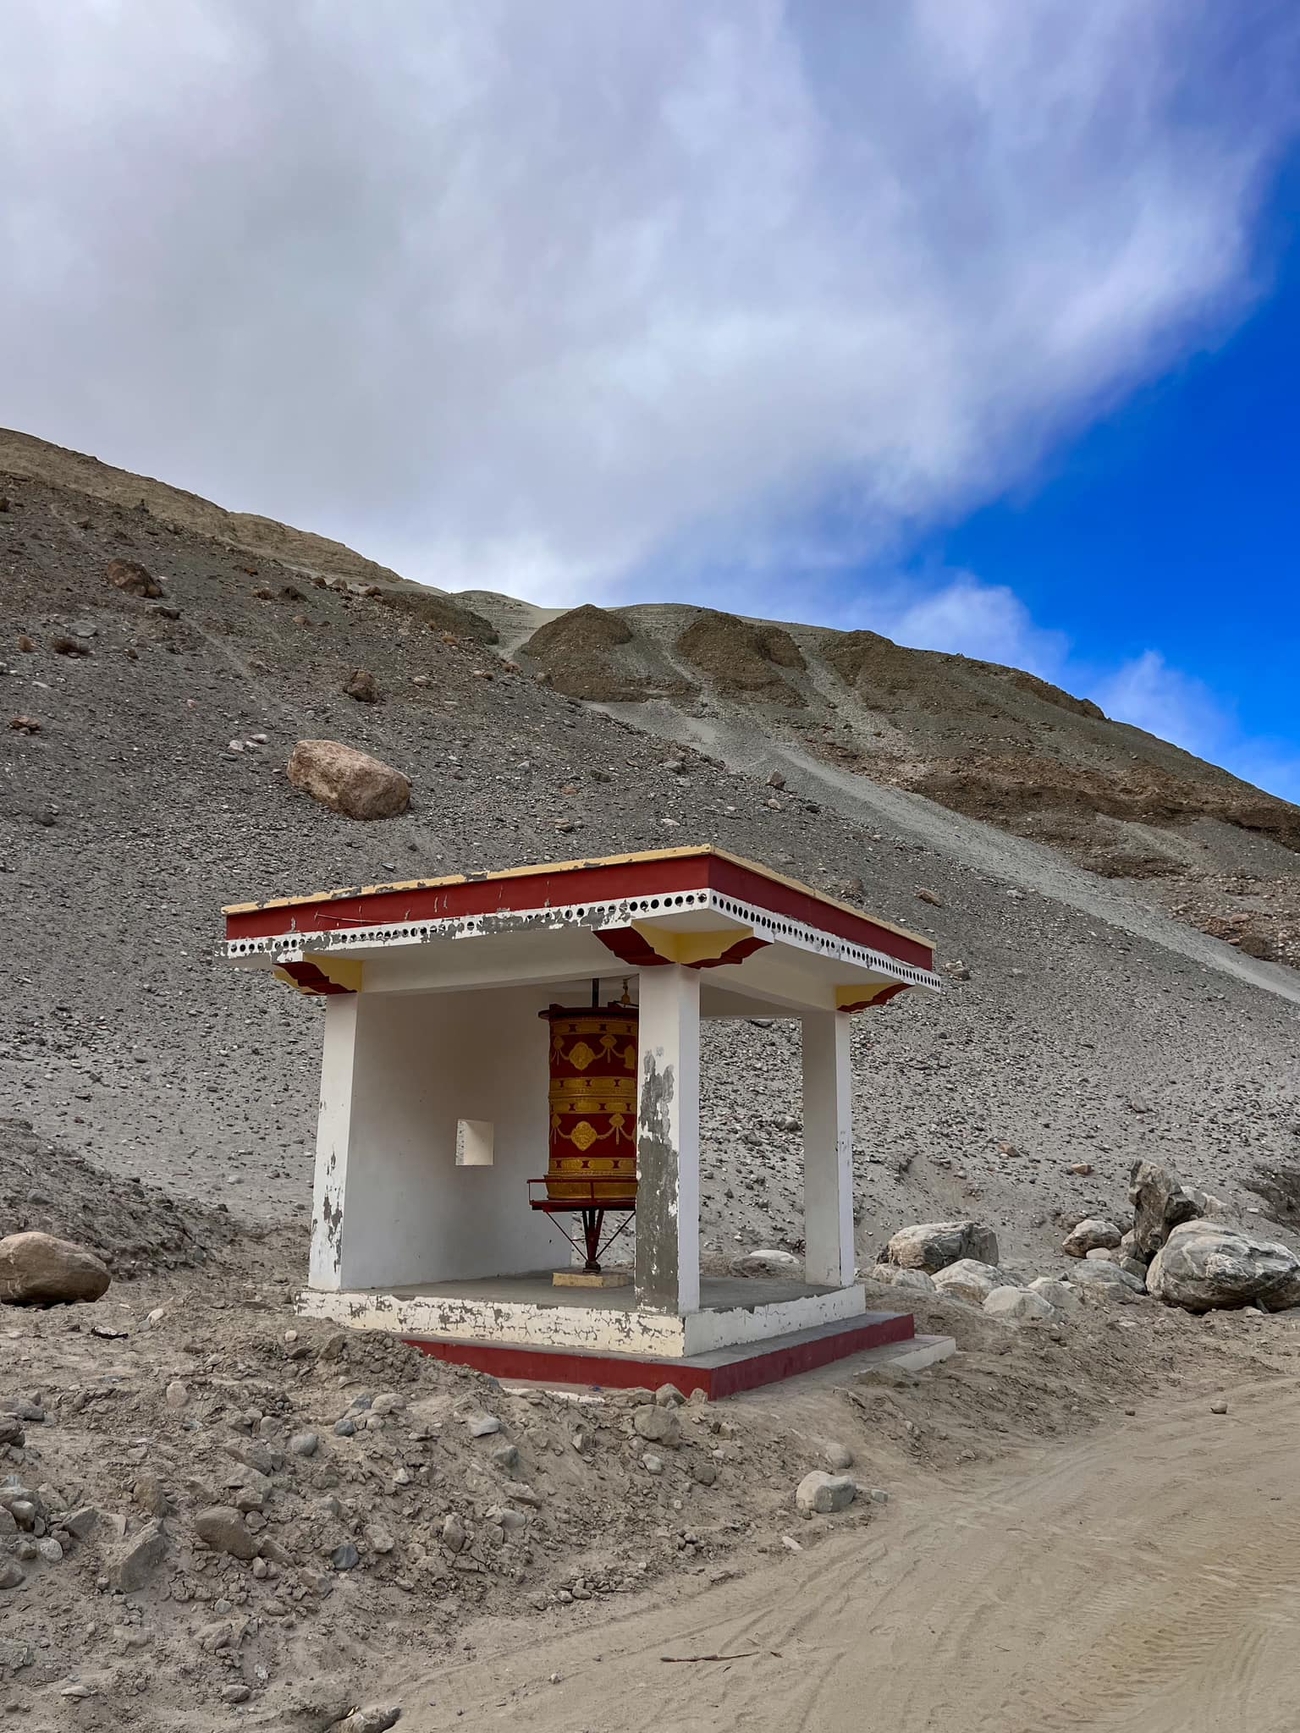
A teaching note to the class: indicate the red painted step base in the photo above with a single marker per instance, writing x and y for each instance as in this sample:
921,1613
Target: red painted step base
724,1372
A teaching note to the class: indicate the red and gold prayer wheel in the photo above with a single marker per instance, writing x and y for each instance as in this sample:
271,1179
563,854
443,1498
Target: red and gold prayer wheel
592,1148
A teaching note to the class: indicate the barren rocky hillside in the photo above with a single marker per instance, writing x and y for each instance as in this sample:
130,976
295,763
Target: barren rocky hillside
1081,1028
849,711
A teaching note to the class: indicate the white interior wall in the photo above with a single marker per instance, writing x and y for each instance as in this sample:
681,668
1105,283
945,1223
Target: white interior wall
422,1062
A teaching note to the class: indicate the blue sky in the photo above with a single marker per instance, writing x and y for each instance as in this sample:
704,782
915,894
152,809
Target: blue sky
972,321
1166,539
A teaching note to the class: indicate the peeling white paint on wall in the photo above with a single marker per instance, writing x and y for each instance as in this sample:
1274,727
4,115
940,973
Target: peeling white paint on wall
596,1329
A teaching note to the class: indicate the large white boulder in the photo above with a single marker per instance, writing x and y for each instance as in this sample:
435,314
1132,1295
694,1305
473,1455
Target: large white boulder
933,1246
1092,1234
970,1280
1059,1295
348,781
1019,1305
821,1494
1203,1266
39,1270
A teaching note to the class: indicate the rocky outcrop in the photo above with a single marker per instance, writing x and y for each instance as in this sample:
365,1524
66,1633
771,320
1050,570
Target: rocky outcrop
347,781
1092,1234
38,1270
1160,1203
1205,1266
933,1246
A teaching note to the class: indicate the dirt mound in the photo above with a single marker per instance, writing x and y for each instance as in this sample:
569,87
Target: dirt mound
580,652
574,650
133,1227
743,656
439,612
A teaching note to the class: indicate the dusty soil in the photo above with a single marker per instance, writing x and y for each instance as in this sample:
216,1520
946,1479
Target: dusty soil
544,1566
1143,1577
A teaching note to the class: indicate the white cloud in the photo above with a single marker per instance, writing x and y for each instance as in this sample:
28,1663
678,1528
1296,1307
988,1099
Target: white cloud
1175,706
987,621
572,295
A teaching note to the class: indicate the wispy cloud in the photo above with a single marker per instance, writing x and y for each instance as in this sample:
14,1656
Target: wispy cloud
1175,706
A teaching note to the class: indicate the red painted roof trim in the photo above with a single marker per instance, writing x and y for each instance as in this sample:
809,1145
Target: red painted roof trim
595,882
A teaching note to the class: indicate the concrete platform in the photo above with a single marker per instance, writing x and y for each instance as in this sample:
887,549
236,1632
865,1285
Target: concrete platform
529,1312
717,1373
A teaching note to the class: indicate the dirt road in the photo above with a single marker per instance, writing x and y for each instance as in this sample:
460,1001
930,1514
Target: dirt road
1146,1578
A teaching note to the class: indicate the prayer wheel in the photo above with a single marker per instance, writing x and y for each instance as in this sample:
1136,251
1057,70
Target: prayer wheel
591,1156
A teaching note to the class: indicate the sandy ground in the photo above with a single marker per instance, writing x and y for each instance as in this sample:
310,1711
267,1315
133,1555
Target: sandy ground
1145,1578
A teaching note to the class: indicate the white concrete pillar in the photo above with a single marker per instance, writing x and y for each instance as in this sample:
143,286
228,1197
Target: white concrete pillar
827,1149
668,1141
333,1141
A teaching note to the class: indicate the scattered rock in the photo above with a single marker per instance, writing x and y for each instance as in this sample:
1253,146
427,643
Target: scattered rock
1160,1203
367,1721
345,1557
135,1562
37,1270
1020,1305
1110,1278
133,578
177,1394
767,1262
12,1575
971,1281
304,1444
25,724
895,1276
838,1457
1205,1266
347,781
932,897
361,686
1090,1235
223,1529
821,1494
1059,1295
932,1246
1219,1406
657,1425
482,1425
80,1522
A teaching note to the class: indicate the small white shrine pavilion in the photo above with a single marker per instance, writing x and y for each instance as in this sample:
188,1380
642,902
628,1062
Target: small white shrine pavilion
477,1043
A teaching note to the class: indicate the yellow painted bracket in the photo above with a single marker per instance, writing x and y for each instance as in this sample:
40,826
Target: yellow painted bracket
689,948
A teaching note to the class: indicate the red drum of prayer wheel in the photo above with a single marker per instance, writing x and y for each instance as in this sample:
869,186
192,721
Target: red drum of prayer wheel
592,1146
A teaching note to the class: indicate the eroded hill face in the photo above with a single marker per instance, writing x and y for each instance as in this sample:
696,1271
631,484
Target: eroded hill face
147,787
993,743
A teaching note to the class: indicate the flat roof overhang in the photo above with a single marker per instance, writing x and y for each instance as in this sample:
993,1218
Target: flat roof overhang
765,940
